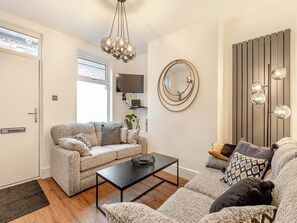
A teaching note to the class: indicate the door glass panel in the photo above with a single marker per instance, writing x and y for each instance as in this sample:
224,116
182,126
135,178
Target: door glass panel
18,42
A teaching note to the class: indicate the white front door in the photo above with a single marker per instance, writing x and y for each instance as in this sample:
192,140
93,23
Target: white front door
19,96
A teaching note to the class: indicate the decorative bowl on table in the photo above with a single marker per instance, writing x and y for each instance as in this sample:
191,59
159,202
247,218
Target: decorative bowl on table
143,160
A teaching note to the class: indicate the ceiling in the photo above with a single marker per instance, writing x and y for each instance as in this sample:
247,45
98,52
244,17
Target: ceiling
148,20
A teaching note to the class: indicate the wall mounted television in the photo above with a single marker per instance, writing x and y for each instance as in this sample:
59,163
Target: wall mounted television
129,83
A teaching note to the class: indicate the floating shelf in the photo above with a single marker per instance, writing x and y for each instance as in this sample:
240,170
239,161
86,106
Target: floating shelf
137,107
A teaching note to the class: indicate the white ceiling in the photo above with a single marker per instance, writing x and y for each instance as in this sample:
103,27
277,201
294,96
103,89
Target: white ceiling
148,20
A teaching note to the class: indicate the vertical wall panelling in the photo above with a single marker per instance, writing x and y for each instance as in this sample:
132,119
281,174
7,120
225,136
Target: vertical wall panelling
251,60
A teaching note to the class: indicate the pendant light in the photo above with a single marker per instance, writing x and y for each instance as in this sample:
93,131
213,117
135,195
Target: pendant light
121,48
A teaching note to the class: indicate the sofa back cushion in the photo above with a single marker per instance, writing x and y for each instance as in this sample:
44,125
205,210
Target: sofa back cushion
98,129
287,148
111,133
70,130
284,193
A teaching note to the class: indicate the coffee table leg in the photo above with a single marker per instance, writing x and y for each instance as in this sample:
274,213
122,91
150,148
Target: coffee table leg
121,196
177,174
97,190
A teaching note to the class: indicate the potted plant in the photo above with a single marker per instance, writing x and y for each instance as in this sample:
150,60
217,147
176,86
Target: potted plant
129,119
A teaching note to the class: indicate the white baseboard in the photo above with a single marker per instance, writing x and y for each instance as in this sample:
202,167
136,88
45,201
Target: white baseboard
45,173
183,172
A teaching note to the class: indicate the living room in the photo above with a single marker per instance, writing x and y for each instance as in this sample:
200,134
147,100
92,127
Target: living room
162,32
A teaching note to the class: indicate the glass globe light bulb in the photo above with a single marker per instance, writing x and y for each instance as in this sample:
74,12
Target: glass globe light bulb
279,73
257,87
107,45
282,112
258,98
116,55
131,51
125,59
121,45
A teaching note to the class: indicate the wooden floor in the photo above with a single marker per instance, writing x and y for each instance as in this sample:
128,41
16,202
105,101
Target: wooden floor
82,207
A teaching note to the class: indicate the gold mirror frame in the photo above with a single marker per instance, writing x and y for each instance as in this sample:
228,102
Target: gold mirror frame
191,90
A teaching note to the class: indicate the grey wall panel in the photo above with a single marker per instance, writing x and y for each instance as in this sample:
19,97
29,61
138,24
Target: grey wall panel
253,61
234,94
287,53
250,82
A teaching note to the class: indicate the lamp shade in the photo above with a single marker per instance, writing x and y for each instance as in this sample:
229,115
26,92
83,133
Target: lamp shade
282,112
279,73
258,98
257,87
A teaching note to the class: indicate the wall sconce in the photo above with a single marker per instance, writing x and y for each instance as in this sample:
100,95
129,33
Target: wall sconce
259,98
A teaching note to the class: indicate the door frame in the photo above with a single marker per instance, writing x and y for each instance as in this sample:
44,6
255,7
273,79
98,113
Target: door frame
39,58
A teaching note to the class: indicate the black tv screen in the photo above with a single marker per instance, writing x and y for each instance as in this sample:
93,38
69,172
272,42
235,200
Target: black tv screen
129,83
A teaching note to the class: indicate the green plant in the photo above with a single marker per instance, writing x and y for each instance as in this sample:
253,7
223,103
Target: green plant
129,119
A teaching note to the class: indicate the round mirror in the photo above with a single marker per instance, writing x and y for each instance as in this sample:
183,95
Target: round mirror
178,85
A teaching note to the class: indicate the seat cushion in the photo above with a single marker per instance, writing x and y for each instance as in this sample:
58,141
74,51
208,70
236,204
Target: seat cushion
202,181
186,206
100,155
125,150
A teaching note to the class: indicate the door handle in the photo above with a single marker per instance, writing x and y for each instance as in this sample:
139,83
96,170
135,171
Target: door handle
34,113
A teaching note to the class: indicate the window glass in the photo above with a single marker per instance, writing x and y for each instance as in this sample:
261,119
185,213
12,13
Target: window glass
92,95
18,42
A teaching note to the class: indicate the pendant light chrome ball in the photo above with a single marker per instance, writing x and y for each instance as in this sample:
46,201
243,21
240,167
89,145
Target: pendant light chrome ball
279,73
121,49
257,87
258,98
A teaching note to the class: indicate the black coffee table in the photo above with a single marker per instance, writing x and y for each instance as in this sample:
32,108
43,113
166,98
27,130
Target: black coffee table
125,175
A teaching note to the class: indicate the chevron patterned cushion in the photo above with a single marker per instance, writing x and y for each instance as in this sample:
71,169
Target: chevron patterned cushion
267,216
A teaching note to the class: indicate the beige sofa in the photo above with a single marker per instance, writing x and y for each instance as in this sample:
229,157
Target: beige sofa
75,173
191,203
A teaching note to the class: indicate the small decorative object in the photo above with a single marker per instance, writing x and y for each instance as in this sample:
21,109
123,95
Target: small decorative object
129,119
143,160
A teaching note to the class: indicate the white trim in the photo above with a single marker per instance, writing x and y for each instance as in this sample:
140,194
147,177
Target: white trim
183,172
45,173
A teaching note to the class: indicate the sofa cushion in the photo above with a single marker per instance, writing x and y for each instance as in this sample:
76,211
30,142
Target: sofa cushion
248,191
236,214
206,177
133,135
70,130
280,157
155,217
186,206
74,144
81,137
98,129
124,134
111,133
125,150
241,167
100,155
126,212
213,162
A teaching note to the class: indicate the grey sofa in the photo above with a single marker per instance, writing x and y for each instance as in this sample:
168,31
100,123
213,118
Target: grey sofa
191,203
75,173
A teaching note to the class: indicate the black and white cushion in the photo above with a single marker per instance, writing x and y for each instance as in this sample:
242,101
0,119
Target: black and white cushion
81,137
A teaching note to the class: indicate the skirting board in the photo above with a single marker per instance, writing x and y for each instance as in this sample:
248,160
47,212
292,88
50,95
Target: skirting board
45,173
183,172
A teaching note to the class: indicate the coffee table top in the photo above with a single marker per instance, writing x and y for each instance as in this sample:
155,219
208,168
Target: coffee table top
124,175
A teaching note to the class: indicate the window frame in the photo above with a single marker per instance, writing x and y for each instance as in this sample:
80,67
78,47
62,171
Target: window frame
106,82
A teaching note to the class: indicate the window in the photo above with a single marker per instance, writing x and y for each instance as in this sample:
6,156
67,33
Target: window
92,91
15,41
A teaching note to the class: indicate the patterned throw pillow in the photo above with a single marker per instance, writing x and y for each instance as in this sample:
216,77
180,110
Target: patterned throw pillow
133,135
81,137
264,217
241,166
74,144
124,134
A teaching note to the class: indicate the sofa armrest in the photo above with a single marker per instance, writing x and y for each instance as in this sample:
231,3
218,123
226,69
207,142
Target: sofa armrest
126,212
65,169
142,141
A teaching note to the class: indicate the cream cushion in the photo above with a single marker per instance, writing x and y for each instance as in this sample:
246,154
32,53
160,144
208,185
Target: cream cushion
125,150
74,144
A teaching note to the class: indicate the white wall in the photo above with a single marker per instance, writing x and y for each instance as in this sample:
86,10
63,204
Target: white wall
187,134
263,22
59,78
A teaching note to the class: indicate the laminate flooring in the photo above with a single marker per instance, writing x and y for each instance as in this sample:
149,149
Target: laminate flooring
81,208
